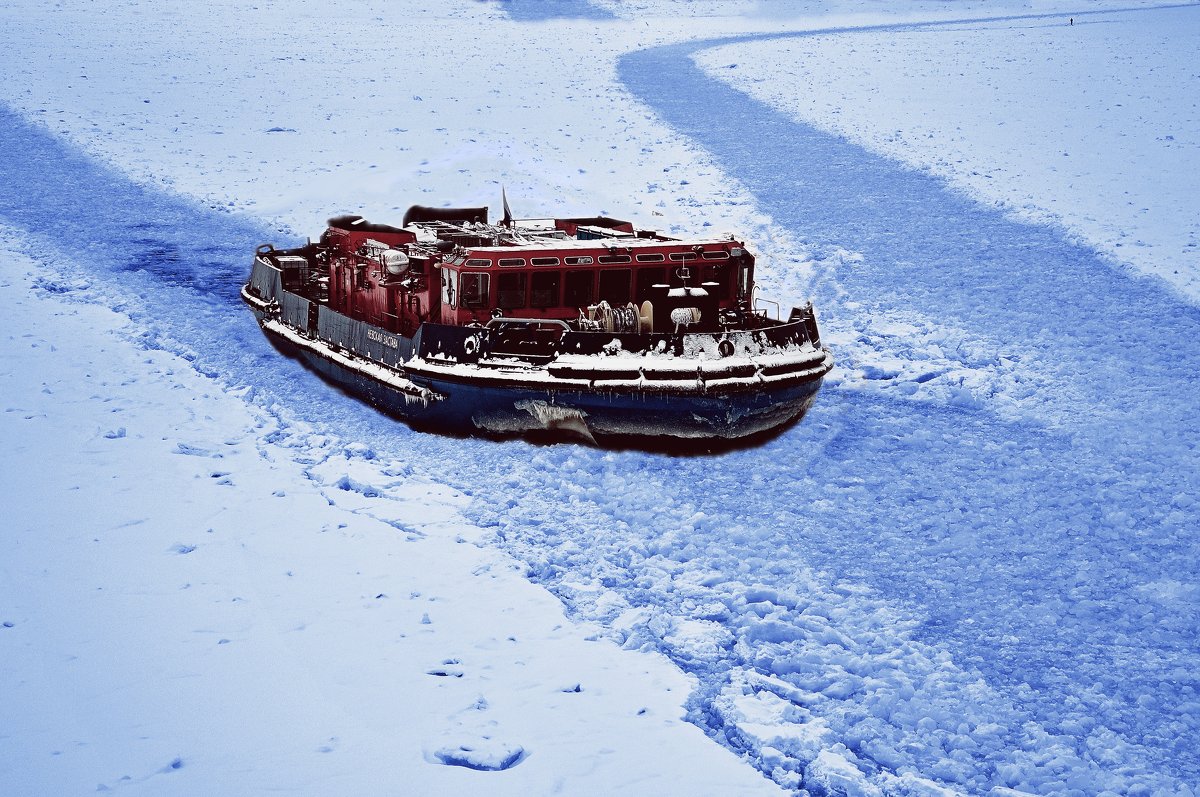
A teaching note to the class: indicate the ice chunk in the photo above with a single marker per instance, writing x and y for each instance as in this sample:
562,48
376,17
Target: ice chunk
832,773
480,753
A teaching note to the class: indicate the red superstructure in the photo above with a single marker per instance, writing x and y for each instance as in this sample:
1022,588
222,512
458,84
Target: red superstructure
462,272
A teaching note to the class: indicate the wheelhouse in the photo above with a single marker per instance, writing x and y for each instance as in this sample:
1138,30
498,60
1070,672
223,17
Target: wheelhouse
538,281
451,267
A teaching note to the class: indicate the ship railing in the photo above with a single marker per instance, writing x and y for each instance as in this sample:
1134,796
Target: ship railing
504,320
531,339
763,312
808,317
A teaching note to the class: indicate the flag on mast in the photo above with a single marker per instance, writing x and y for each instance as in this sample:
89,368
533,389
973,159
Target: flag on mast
508,219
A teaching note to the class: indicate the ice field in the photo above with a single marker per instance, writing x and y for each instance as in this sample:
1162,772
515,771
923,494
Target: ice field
972,569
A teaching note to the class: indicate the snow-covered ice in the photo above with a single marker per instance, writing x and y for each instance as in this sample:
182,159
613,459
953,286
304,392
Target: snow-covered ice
972,569
199,597
1070,122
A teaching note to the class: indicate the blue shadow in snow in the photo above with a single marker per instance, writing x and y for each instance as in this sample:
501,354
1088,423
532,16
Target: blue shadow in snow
545,10
89,209
982,524
185,262
1125,341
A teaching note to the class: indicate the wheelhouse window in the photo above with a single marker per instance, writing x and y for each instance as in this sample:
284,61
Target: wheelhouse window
683,256
720,254
584,260
609,259
544,261
509,262
651,257
510,290
614,286
577,288
718,274
647,278
473,289
477,262
544,287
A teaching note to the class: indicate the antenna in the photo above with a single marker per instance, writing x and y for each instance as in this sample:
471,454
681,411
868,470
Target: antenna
508,219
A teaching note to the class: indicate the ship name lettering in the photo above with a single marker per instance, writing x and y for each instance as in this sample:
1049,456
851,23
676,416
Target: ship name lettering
386,340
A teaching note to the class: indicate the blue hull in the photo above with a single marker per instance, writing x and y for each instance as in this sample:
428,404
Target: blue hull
602,413
464,408
630,399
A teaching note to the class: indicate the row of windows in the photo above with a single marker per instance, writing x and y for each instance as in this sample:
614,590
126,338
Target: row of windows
546,289
586,260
